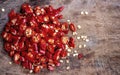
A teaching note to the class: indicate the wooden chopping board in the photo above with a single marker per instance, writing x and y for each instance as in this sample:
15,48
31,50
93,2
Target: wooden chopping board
101,25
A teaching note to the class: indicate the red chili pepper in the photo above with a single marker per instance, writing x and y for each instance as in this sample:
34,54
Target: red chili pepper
36,38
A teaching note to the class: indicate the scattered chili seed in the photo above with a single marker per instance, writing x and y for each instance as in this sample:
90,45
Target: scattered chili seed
68,67
75,54
10,63
61,61
3,10
82,12
80,46
84,45
31,71
87,40
79,27
86,12
68,54
67,61
74,33
78,37
69,50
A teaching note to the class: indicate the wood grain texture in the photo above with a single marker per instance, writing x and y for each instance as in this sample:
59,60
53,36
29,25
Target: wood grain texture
102,26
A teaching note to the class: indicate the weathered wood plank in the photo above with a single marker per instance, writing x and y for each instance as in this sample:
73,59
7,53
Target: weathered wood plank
102,25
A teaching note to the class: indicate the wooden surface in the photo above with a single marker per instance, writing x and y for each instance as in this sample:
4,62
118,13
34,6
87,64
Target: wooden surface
101,25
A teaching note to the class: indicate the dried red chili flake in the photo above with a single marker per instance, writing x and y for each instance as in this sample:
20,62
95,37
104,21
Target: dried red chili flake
36,38
80,56
72,27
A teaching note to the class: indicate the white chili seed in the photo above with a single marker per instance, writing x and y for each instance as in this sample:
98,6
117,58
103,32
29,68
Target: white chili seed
75,51
78,37
82,12
68,20
66,46
79,27
86,12
56,31
80,46
69,50
84,45
74,33
31,71
3,10
10,63
87,40
68,67
61,61
67,61
74,55
68,54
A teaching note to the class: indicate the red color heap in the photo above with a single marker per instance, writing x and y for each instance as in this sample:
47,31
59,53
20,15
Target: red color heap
35,38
